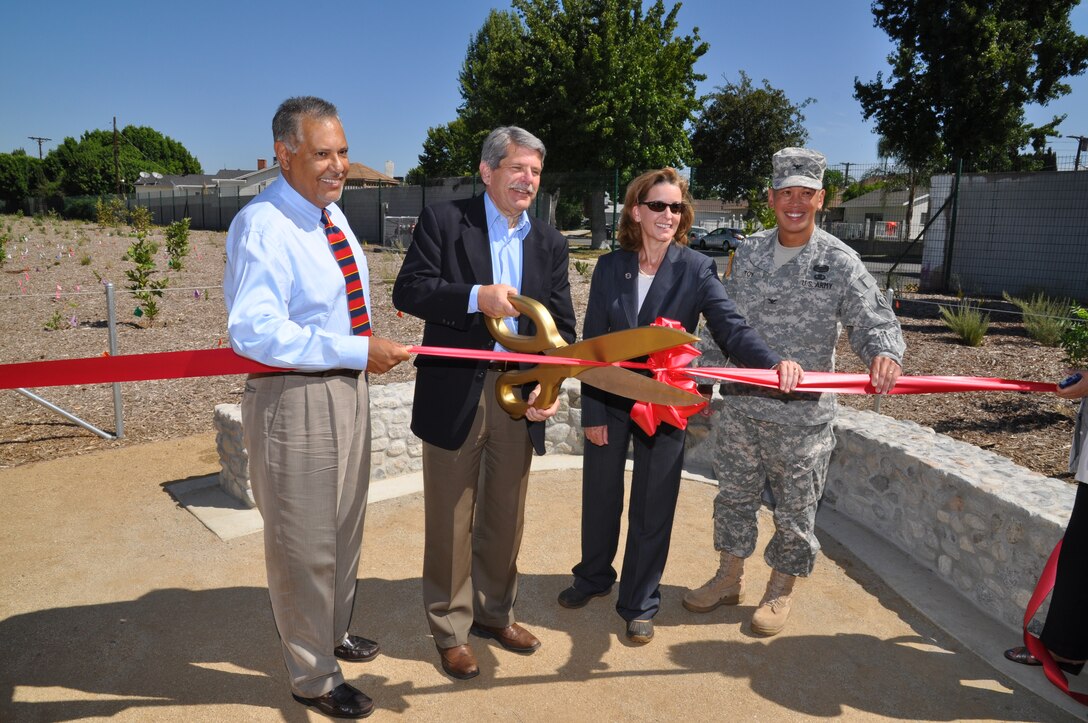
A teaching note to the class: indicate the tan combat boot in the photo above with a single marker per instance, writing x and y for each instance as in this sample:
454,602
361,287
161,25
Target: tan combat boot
773,611
725,588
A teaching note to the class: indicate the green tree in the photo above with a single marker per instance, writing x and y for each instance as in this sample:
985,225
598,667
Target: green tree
449,150
86,166
21,176
607,84
740,128
962,72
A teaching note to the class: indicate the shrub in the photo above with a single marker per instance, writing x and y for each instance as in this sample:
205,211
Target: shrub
1075,338
177,242
143,286
82,208
140,219
110,214
1044,318
967,322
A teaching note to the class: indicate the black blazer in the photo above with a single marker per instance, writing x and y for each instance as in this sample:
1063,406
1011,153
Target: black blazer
685,286
449,254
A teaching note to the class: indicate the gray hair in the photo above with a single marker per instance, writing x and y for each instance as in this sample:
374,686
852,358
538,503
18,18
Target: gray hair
499,140
285,124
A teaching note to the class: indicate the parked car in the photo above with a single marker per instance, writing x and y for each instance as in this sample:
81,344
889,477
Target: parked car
725,239
695,235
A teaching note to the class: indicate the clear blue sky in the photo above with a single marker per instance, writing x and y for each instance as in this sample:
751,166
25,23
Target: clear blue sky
210,74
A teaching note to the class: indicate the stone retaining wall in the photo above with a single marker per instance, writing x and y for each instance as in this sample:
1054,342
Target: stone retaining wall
980,522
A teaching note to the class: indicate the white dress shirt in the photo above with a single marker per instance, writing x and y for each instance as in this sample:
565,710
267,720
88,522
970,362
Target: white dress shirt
285,294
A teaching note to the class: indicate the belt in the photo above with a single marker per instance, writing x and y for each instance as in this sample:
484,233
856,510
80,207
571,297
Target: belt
502,366
353,373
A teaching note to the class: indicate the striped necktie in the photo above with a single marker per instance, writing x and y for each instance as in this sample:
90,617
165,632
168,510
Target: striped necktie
341,251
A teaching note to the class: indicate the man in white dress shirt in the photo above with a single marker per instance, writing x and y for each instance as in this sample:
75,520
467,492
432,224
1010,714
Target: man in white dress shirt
298,296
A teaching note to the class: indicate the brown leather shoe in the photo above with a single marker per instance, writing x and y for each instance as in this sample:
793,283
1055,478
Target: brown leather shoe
459,662
513,637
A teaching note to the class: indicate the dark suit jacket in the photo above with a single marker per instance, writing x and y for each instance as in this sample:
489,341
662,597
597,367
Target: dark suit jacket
685,286
449,254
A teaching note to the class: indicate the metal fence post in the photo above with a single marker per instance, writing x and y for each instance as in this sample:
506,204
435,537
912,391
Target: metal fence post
111,323
952,227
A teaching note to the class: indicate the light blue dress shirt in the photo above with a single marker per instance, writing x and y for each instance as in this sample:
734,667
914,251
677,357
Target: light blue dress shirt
506,255
285,294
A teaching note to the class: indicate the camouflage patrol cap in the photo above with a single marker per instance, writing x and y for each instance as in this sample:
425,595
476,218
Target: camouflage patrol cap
798,167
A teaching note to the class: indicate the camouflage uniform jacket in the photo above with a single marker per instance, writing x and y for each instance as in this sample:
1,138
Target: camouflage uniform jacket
800,310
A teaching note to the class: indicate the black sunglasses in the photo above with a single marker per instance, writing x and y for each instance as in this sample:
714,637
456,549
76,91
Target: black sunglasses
659,206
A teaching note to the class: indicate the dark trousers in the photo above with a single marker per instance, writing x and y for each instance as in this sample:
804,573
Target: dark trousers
1066,629
655,485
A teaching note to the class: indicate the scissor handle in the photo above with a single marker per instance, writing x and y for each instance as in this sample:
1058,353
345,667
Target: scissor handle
546,337
513,404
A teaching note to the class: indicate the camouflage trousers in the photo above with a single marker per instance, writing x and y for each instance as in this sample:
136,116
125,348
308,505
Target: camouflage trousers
792,461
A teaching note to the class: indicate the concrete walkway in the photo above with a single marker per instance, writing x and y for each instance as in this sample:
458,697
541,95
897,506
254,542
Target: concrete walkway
118,603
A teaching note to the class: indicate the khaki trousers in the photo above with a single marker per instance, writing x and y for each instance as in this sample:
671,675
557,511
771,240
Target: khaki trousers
308,438
474,500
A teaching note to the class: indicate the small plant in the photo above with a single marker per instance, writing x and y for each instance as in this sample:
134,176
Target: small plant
85,259
4,238
582,267
1044,318
56,321
1075,338
177,242
142,253
967,321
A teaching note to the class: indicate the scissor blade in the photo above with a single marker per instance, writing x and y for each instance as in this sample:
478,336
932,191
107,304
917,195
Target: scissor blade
627,344
627,383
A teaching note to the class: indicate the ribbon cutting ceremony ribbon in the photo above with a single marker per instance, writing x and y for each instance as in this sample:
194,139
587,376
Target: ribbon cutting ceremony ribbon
1034,645
181,364
215,362
843,383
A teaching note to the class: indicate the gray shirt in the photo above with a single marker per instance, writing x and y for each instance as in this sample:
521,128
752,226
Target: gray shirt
800,309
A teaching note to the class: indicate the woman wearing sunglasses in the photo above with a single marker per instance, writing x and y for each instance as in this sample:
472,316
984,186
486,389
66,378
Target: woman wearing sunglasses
653,274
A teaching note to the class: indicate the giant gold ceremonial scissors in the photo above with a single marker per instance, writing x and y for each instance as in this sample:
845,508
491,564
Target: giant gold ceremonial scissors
612,347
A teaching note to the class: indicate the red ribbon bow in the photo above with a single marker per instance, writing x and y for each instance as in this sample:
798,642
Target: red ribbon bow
668,367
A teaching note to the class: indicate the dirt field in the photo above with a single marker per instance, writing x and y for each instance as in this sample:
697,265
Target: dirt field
52,285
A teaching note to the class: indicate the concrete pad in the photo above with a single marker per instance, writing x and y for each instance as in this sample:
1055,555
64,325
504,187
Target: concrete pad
118,604
220,512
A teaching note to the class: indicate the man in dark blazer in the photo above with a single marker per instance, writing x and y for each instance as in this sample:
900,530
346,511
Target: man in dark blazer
467,257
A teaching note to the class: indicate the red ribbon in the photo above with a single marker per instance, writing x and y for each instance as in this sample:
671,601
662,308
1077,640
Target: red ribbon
1035,646
668,367
859,383
665,365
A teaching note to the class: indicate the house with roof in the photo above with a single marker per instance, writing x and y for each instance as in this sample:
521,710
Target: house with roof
234,183
882,215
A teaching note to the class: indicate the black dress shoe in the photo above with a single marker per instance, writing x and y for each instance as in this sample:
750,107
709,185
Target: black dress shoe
356,649
1022,655
574,598
343,701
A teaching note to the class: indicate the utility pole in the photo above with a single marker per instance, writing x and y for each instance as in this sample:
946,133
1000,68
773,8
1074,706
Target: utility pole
40,141
1082,146
116,163
846,175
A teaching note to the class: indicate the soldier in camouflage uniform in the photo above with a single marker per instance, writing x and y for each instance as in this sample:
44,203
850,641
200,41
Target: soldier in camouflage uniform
798,286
